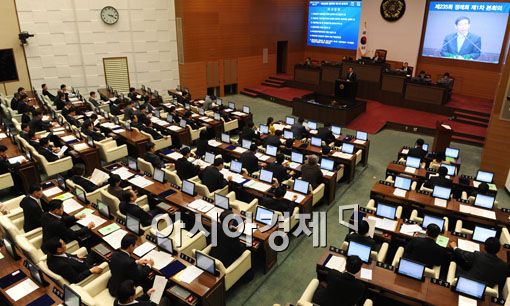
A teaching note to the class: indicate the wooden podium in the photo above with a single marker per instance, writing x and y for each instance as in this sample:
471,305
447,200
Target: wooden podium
346,90
443,137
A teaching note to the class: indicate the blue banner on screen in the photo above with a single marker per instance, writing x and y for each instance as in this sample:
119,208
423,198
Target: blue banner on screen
334,24
471,31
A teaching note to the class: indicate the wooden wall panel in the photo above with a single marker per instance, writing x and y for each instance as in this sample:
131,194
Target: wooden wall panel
213,74
193,76
496,152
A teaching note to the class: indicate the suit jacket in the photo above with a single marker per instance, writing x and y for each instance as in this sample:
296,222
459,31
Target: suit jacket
202,147
115,191
352,77
298,130
23,107
248,134
272,140
185,169
279,171
281,205
155,134
135,211
128,112
425,250
227,250
94,102
438,181
60,228
85,183
95,135
212,178
417,152
154,160
325,135
60,104
32,213
50,157
361,239
343,290
48,94
192,124
38,125
471,48
408,70
123,267
311,174
73,269
14,103
4,165
484,267
249,161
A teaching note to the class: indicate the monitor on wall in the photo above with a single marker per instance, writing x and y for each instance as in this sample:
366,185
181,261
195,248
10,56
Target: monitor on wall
467,31
8,71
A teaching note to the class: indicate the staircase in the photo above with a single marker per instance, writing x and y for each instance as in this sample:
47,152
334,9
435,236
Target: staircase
470,117
249,92
274,82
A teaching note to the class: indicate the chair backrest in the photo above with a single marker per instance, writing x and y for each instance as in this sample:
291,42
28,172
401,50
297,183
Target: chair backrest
202,189
172,177
110,200
145,166
382,53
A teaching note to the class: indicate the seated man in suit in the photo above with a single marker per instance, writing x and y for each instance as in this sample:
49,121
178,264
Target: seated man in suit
277,202
249,159
406,69
227,249
445,80
63,91
439,180
212,177
378,58
57,225
78,178
88,129
298,129
23,106
124,267
425,249
114,186
69,111
93,99
342,288
274,140
72,268
128,206
126,295
5,166
133,95
151,157
50,153
148,128
486,266
418,150
185,169
202,144
189,120
60,101
351,75
32,208
37,124
129,110
422,77
279,171
361,236
173,112
325,134
45,92
311,171
249,132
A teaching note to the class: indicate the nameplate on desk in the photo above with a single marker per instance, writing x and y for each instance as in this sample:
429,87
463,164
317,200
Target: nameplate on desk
58,293
384,266
505,210
506,246
498,301
440,282
336,250
459,234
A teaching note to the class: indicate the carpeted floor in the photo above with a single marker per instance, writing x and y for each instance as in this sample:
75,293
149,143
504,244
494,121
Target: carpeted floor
471,103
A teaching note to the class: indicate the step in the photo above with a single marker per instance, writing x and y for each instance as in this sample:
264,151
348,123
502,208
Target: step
276,81
278,78
468,140
249,93
481,118
272,85
472,112
471,122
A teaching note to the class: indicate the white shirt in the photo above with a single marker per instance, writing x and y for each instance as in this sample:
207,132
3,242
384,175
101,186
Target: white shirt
460,41
38,201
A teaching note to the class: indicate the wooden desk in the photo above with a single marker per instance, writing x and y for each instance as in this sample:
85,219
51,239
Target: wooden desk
369,78
431,156
327,113
364,147
432,94
136,141
307,74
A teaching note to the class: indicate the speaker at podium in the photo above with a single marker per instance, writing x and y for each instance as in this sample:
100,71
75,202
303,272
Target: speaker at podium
346,90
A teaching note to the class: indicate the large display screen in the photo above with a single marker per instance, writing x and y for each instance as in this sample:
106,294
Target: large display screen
471,31
334,24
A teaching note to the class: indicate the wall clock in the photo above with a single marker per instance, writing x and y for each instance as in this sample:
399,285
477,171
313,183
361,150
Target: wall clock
109,15
392,10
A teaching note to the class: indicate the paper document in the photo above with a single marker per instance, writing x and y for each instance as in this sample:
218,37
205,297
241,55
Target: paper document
3,135
68,138
161,259
140,181
359,141
22,289
371,226
236,178
52,191
64,196
399,192
123,172
342,155
384,224
366,274
260,186
327,172
279,127
294,165
174,128
159,286
465,301
248,228
240,150
442,241
81,146
289,195
214,213
201,205
114,238
405,151
58,133
71,205
62,151
174,155
467,245
91,218
410,170
262,157
489,214
336,263
110,228
189,274
410,229
214,143
440,202
17,159
143,249
99,177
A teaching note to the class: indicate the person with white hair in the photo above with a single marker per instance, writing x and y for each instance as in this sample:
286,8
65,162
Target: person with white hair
311,171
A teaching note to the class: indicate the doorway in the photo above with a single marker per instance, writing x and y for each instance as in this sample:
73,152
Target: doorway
281,56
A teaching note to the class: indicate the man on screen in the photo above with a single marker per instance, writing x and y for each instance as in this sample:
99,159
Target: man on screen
463,44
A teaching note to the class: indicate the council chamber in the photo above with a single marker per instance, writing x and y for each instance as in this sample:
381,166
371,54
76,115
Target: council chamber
270,152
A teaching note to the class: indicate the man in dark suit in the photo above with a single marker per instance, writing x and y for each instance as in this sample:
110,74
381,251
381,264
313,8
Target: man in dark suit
72,268
298,129
378,58
486,266
126,295
114,186
4,162
273,140
129,110
277,202
279,171
325,134
202,144
128,206
133,95
88,129
425,249
406,69
60,101
93,99
123,267
311,171
63,91
249,159
45,92
32,208
23,106
48,152
361,236
351,75
227,249
418,150
56,224
78,178
439,180
37,124
342,288
151,157
148,128
249,132
189,120
463,44
185,169
212,177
